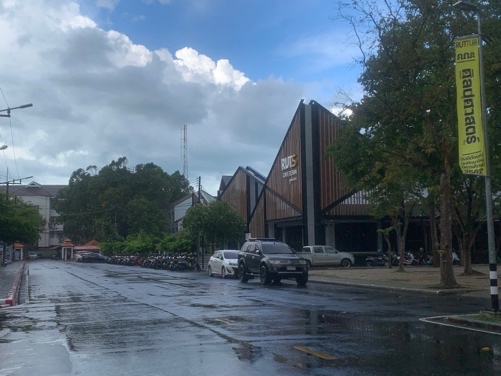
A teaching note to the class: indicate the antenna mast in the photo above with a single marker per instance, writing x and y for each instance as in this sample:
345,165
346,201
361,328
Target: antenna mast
185,151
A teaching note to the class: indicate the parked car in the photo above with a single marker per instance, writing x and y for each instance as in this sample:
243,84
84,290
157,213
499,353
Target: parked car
326,255
78,256
223,262
271,260
92,257
32,255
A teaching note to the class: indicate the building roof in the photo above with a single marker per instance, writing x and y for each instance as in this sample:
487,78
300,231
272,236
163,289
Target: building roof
225,182
206,197
182,200
32,189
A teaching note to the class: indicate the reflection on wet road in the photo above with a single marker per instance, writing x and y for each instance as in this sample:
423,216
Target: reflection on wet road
114,320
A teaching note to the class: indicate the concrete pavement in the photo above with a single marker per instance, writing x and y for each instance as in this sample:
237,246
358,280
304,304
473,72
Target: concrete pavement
10,282
419,279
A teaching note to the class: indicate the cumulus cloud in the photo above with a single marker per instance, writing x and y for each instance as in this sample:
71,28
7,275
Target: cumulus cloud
98,96
199,68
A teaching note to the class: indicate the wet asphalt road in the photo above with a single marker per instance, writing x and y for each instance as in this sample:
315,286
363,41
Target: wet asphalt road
98,319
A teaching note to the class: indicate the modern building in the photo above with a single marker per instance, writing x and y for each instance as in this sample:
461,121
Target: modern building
41,197
304,199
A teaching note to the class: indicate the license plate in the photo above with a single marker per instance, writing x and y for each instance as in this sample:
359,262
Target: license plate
291,268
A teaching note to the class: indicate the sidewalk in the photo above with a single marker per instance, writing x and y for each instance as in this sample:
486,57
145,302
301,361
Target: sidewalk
10,282
420,279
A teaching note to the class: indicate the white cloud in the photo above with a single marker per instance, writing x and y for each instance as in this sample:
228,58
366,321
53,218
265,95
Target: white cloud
199,68
98,96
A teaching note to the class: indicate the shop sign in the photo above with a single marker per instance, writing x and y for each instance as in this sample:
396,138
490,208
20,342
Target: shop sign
472,158
289,170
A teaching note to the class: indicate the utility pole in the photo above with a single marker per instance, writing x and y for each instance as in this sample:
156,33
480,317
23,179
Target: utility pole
3,147
15,181
199,250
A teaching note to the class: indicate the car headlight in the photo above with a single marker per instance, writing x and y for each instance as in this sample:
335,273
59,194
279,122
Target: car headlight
275,262
302,262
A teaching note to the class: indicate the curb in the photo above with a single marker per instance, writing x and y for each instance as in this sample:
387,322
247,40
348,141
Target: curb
393,288
11,299
466,320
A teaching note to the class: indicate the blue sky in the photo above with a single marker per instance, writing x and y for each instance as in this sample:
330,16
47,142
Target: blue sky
297,40
112,78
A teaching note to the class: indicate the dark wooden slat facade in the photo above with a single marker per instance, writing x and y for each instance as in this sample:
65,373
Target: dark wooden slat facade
236,193
286,188
257,224
332,186
304,194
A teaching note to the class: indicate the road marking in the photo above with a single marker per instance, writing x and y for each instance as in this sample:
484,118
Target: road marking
225,321
314,352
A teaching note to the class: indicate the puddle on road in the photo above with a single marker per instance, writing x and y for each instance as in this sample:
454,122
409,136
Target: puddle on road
246,351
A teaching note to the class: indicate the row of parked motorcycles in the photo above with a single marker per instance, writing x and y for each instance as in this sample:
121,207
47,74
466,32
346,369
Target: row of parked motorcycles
181,262
409,259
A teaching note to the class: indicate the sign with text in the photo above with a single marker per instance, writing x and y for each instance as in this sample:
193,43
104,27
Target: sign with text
289,169
472,159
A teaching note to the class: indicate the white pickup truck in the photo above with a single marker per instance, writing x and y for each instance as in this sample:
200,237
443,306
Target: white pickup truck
321,255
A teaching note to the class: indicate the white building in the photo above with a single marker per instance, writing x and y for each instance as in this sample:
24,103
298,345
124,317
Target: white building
178,209
41,197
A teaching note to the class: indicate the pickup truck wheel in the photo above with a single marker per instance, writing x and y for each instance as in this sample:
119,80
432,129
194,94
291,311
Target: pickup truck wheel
345,263
264,276
308,263
242,276
303,280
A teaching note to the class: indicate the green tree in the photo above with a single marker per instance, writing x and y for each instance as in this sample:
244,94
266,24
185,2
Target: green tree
390,184
217,223
19,222
179,242
408,111
117,202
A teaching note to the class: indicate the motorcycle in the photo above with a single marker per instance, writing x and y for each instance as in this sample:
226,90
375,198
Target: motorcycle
377,261
409,260
380,260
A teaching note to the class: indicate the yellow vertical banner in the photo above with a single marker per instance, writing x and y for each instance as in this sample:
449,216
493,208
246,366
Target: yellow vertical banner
472,159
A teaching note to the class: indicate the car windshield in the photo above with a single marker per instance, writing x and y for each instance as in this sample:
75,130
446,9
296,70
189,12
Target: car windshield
230,254
275,248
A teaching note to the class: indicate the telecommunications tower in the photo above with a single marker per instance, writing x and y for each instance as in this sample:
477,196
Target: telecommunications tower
185,151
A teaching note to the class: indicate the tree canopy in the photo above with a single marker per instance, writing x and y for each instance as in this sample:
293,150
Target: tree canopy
216,222
401,138
117,202
19,222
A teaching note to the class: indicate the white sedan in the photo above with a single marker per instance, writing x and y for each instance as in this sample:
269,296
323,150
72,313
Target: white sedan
224,263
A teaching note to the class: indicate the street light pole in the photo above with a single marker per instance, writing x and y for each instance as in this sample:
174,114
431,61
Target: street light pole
493,274
9,109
